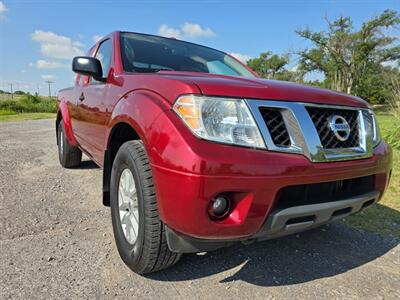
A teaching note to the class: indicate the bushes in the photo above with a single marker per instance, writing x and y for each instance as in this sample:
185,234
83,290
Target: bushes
28,104
392,136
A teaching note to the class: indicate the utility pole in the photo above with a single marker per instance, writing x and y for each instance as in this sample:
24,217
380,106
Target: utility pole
12,93
37,88
49,83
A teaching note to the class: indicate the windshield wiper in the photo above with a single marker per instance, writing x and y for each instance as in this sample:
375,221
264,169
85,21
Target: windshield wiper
162,69
150,70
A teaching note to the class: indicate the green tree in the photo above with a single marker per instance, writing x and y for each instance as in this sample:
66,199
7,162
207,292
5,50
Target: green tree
268,65
353,60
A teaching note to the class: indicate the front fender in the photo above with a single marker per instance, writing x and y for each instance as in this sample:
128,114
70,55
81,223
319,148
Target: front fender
138,109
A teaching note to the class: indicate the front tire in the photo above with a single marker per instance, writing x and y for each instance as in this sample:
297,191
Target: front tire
69,156
138,231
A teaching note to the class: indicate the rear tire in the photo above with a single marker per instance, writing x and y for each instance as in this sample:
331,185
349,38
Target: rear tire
68,155
148,251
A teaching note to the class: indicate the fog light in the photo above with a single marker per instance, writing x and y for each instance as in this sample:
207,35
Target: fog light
219,207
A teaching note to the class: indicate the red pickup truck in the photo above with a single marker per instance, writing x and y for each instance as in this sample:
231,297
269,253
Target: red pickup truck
199,153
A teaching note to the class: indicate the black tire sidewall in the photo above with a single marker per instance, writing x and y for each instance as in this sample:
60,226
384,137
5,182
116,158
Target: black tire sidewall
61,154
130,254
70,156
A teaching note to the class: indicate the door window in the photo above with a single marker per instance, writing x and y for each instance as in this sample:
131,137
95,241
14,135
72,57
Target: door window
104,56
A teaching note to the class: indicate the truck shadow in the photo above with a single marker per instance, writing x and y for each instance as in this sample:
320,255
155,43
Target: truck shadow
323,252
87,165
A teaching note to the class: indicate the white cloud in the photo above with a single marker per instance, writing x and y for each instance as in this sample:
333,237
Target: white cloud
96,38
61,52
48,77
56,46
78,44
165,30
3,8
44,64
242,57
192,30
187,30
50,37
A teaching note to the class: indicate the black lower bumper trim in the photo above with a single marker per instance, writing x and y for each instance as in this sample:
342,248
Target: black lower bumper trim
180,243
279,223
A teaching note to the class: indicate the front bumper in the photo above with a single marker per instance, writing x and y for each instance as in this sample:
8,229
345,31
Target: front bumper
189,172
280,223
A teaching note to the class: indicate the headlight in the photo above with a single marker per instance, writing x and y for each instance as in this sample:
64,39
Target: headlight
376,133
221,120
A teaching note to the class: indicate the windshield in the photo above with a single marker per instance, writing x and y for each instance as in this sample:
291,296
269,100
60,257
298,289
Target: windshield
147,53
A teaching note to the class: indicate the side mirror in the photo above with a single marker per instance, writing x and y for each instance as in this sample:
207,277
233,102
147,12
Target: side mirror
86,65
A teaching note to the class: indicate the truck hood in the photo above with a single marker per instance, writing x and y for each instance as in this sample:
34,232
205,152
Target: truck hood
262,89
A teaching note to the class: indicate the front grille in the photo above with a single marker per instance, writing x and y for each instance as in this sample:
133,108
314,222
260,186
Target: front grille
276,126
321,116
306,194
321,133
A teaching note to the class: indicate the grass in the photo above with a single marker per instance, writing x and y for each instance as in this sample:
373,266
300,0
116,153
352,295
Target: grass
25,116
386,121
383,218
26,107
28,104
7,112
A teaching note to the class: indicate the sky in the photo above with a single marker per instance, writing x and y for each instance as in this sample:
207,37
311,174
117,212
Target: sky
38,39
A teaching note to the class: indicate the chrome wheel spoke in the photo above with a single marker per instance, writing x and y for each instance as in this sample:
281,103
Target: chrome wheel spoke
122,181
61,142
126,220
135,216
128,206
129,221
123,207
132,226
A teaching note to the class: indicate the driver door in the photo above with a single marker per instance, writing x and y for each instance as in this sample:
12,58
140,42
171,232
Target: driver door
93,114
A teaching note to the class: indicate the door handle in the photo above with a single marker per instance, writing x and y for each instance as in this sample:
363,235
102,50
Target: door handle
82,97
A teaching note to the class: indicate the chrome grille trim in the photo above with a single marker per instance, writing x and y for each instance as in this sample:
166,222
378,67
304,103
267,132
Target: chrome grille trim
304,138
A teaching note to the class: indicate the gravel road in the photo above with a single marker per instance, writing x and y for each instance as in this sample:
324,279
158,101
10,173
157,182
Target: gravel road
56,242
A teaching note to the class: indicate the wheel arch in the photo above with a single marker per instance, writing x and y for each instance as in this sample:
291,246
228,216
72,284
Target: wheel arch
120,133
131,119
64,116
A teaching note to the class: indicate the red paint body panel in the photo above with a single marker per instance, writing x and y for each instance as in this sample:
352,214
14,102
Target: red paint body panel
263,89
63,109
188,171
139,109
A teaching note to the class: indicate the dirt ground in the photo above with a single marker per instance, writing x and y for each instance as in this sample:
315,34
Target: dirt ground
56,243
